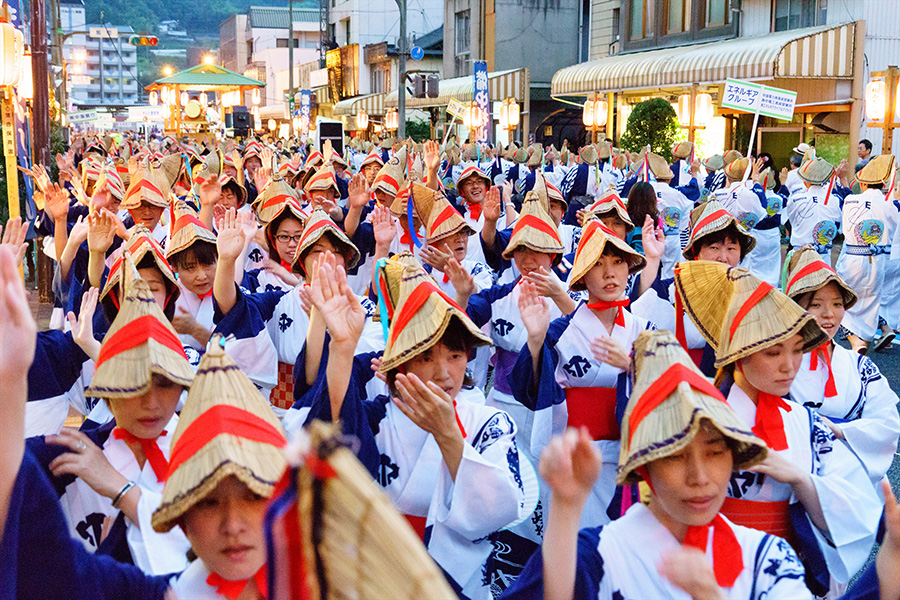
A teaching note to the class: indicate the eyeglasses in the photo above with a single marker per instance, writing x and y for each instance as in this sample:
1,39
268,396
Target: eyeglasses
284,238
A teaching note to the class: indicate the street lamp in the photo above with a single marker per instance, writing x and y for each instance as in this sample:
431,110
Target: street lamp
209,59
167,71
594,115
883,104
509,114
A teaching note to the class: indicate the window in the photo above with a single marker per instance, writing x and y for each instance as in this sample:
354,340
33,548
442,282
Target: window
462,46
281,43
641,19
794,14
678,16
346,31
381,77
717,13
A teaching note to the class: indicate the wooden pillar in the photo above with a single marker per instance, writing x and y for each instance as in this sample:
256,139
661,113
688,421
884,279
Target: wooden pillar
610,114
857,93
691,128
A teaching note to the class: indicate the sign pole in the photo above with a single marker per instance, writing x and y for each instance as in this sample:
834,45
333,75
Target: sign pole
449,129
9,152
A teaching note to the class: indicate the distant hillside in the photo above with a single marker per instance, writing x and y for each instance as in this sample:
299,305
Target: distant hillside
197,17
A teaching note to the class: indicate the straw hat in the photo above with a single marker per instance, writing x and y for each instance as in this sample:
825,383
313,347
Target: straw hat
172,166
90,170
604,150
535,156
589,155
417,171
421,317
767,179
802,148
738,313
519,156
124,175
713,163
314,159
388,274
140,343
272,197
253,148
226,428
594,238
473,172
323,179
372,158
620,161
730,157
110,176
140,245
318,224
816,171
711,217
659,166
391,176
808,273
149,185
443,220
210,166
186,229
547,192
682,149
878,170
608,203
736,168
535,230
669,399
95,147
239,190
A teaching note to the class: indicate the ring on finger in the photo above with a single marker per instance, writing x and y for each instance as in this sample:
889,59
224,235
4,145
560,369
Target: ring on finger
82,446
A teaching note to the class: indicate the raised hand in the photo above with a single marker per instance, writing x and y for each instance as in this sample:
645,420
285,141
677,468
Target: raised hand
358,191
607,350
534,311
506,191
83,327
426,405
56,203
383,226
431,255
230,237
547,284
79,232
18,331
344,316
218,215
491,207
101,231
462,281
41,177
431,155
14,238
783,175
653,239
249,225
86,461
570,465
210,191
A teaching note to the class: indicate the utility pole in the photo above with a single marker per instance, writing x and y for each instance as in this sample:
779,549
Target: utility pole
41,79
401,88
100,47
290,102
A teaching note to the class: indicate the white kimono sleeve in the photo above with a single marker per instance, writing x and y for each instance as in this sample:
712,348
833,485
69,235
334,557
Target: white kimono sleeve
155,553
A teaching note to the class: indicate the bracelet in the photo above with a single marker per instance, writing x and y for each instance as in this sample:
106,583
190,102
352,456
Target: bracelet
122,492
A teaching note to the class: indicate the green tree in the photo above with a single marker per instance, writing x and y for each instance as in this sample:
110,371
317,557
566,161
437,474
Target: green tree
652,122
418,130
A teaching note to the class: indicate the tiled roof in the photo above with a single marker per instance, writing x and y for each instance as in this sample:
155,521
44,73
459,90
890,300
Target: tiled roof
276,17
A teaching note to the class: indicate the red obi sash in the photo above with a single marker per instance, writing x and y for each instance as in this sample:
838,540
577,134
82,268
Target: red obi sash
418,525
595,408
282,395
771,517
696,355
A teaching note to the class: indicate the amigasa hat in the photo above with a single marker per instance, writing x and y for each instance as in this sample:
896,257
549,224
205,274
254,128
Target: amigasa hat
535,230
390,177
878,170
148,185
611,202
547,192
225,429
669,399
140,343
318,224
187,228
738,313
816,171
272,198
711,217
594,238
443,220
809,273
140,245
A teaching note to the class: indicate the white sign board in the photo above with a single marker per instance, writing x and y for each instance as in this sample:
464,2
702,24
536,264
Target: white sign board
455,108
150,113
84,116
318,78
80,79
753,97
108,33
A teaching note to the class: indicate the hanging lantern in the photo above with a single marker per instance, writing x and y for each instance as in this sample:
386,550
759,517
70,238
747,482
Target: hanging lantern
164,95
513,113
362,120
587,114
185,98
12,45
600,113
256,97
25,87
684,110
203,98
504,115
703,109
875,99
153,99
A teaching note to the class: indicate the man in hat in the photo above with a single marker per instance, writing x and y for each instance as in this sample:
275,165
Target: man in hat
869,222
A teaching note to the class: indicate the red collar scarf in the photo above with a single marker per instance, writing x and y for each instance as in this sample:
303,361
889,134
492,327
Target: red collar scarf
604,305
769,423
825,349
474,210
154,455
727,556
406,238
233,589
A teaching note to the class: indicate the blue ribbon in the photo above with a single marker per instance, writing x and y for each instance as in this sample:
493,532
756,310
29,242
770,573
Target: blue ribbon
409,221
382,304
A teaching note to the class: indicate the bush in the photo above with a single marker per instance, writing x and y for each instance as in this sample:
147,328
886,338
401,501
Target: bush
651,122
418,130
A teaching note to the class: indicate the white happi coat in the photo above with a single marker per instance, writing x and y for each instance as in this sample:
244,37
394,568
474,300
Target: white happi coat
631,548
191,583
675,214
848,500
154,553
812,221
865,406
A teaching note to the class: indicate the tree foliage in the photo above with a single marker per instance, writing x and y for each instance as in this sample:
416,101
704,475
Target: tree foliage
652,122
197,17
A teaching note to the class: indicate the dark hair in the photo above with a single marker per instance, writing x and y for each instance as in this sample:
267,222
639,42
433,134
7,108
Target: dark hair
642,202
612,250
457,338
796,160
201,252
147,262
272,229
339,245
717,237
866,143
875,186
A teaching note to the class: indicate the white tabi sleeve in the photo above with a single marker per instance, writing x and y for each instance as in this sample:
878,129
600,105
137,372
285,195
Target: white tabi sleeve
848,500
155,553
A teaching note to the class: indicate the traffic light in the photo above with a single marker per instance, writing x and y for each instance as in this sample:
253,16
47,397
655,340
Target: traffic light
432,86
143,40
418,85
424,85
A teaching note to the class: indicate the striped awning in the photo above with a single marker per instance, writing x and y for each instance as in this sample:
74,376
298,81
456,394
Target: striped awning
824,52
501,84
373,104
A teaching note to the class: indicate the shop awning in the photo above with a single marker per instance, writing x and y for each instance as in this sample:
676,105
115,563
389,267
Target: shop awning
816,52
502,85
373,104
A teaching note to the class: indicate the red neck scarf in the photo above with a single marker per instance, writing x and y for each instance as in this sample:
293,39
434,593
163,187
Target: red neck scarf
604,305
446,278
726,551
406,238
769,422
154,455
233,589
825,349
206,295
474,210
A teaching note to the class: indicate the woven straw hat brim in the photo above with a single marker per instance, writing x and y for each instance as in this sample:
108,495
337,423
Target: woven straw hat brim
426,327
272,200
594,245
156,194
287,209
337,236
171,166
370,159
529,234
257,464
604,150
746,239
878,170
602,209
187,235
589,154
731,156
816,279
737,168
682,149
474,173
816,172
672,425
659,167
714,162
138,253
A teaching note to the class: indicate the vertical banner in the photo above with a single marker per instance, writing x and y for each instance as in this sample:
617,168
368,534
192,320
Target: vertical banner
305,109
482,98
23,142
